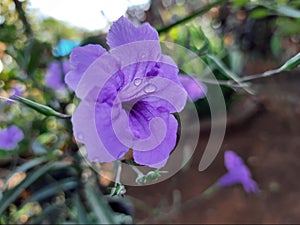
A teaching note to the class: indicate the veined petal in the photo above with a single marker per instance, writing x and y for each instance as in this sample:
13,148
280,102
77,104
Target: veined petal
85,127
158,156
81,58
123,32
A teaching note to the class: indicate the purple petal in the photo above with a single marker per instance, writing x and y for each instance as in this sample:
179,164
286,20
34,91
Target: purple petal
193,87
56,71
123,32
229,179
10,137
233,161
85,131
127,96
250,186
158,156
237,173
81,58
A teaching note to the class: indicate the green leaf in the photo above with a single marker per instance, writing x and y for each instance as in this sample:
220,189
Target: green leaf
43,109
99,205
26,166
53,209
288,11
221,66
259,13
52,189
80,211
292,63
6,153
240,3
11,195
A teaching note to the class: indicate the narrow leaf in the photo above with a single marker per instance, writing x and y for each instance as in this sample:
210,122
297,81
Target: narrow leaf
11,195
292,63
100,207
288,11
43,109
80,211
52,189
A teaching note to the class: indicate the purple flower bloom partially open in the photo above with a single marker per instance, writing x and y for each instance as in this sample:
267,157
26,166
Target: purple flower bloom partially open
127,96
10,137
238,173
193,87
55,75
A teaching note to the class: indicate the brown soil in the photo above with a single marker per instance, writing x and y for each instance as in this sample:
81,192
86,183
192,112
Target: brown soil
269,143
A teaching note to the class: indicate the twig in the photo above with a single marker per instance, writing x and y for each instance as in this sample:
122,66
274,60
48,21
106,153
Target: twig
23,18
242,81
192,16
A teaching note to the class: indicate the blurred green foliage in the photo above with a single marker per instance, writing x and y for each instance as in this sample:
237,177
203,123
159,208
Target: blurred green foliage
58,186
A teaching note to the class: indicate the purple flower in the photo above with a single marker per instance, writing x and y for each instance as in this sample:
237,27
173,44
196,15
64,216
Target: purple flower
193,87
10,137
237,173
16,90
56,71
127,96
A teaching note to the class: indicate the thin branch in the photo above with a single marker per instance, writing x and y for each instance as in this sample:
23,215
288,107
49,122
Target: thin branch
192,16
260,75
242,81
23,18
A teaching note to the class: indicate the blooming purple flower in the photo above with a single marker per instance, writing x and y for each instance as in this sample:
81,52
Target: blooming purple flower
56,71
193,87
127,96
237,173
10,137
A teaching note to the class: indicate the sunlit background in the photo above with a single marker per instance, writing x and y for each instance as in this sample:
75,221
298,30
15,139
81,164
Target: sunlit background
86,14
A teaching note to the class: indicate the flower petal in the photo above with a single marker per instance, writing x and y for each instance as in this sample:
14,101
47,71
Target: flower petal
158,156
54,77
123,32
81,58
233,162
86,131
10,136
250,186
228,179
193,87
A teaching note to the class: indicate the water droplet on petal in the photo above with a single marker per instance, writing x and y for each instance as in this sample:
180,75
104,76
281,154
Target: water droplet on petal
150,88
143,56
80,137
137,81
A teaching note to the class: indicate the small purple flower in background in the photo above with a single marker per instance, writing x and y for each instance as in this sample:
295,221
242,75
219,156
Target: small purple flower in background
16,90
193,87
55,75
10,137
127,96
238,173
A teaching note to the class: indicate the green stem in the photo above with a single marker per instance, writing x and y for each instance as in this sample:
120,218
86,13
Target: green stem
191,16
